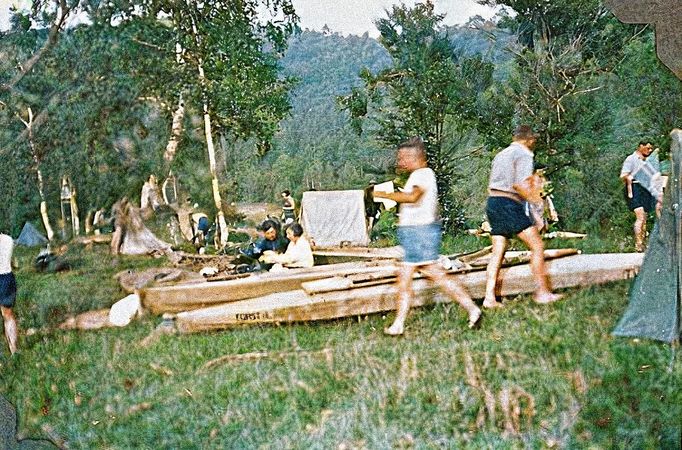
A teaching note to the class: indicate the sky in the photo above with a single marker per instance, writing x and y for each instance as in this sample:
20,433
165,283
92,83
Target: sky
342,16
357,16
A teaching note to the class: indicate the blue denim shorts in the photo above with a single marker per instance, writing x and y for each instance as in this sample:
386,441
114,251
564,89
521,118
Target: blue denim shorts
421,243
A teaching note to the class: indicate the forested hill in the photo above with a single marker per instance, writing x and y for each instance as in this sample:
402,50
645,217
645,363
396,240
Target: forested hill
327,64
316,146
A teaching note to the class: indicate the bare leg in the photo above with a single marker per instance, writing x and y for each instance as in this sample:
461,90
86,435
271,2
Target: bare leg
404,300
116,240
493,270
436,273
532,239
639,228
11,333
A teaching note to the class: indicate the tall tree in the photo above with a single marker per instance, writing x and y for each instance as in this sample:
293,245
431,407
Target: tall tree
428,84
228,65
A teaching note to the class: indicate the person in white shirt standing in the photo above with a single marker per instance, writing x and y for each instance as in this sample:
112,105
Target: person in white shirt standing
419,232
8,291
638,167
512,185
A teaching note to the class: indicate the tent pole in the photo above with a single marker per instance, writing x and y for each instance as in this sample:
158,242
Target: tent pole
676,147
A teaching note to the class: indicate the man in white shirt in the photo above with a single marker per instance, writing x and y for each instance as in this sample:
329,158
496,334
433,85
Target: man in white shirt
8,291
637,195
419,232
512,184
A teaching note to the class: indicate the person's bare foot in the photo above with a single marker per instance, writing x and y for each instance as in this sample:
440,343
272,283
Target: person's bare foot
394,330
474,318
547,298
491,304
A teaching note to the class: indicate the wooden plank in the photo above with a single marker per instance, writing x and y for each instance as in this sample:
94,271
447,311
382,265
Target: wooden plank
293,306
360,252
184,297
522,257
386,276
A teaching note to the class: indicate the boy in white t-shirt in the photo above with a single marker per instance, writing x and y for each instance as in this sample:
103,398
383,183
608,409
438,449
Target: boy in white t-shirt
419,232
8,291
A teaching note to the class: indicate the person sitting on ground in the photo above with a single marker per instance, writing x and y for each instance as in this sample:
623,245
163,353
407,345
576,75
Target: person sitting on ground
298,254
51,262
271,239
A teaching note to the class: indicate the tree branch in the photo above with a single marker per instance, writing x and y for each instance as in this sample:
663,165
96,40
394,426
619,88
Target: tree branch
63,11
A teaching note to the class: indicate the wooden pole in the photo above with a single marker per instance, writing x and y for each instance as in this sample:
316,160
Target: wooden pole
676,186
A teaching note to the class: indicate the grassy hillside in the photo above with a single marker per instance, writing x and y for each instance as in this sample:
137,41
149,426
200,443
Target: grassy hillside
530,377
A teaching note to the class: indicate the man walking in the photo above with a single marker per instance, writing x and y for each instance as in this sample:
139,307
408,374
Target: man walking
8,291
512,185
419,232
643,192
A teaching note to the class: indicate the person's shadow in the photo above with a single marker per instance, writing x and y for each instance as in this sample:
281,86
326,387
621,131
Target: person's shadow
8,431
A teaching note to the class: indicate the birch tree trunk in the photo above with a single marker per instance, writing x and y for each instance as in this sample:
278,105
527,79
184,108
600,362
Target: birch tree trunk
75,221
41,185
221,225
176,132
178,117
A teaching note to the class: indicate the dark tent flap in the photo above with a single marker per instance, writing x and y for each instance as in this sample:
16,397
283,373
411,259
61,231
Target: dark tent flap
30,236
653,310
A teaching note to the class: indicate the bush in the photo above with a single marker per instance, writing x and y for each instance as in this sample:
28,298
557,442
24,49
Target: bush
384,229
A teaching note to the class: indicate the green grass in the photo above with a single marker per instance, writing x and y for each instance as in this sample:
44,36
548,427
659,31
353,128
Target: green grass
575,385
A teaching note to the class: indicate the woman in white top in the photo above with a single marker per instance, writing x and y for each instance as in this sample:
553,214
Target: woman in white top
298,254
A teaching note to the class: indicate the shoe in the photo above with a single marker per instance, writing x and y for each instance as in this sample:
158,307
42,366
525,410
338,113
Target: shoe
475,319
546,299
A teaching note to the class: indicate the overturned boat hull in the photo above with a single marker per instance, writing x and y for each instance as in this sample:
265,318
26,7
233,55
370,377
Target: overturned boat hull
297,305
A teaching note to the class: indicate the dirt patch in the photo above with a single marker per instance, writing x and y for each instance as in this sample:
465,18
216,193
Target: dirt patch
256,213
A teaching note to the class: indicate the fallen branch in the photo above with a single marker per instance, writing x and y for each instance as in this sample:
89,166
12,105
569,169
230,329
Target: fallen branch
254,356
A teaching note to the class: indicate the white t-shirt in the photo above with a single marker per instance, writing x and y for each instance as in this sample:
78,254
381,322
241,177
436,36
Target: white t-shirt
511,166
425,210
298,254
6,247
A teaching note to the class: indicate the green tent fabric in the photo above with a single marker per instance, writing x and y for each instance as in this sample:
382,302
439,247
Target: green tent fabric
654,309
30,236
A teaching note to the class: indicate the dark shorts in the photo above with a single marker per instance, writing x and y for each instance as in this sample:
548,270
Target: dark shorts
507,217
641,198
421,243
8,290
289,214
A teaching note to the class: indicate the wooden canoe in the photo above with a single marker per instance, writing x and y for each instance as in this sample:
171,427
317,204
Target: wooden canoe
294,306
184,297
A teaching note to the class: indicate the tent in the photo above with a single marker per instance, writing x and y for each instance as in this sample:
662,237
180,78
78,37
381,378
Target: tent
654,309
30,236
335,218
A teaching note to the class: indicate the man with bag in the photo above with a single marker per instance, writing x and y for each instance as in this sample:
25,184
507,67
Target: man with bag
643,188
